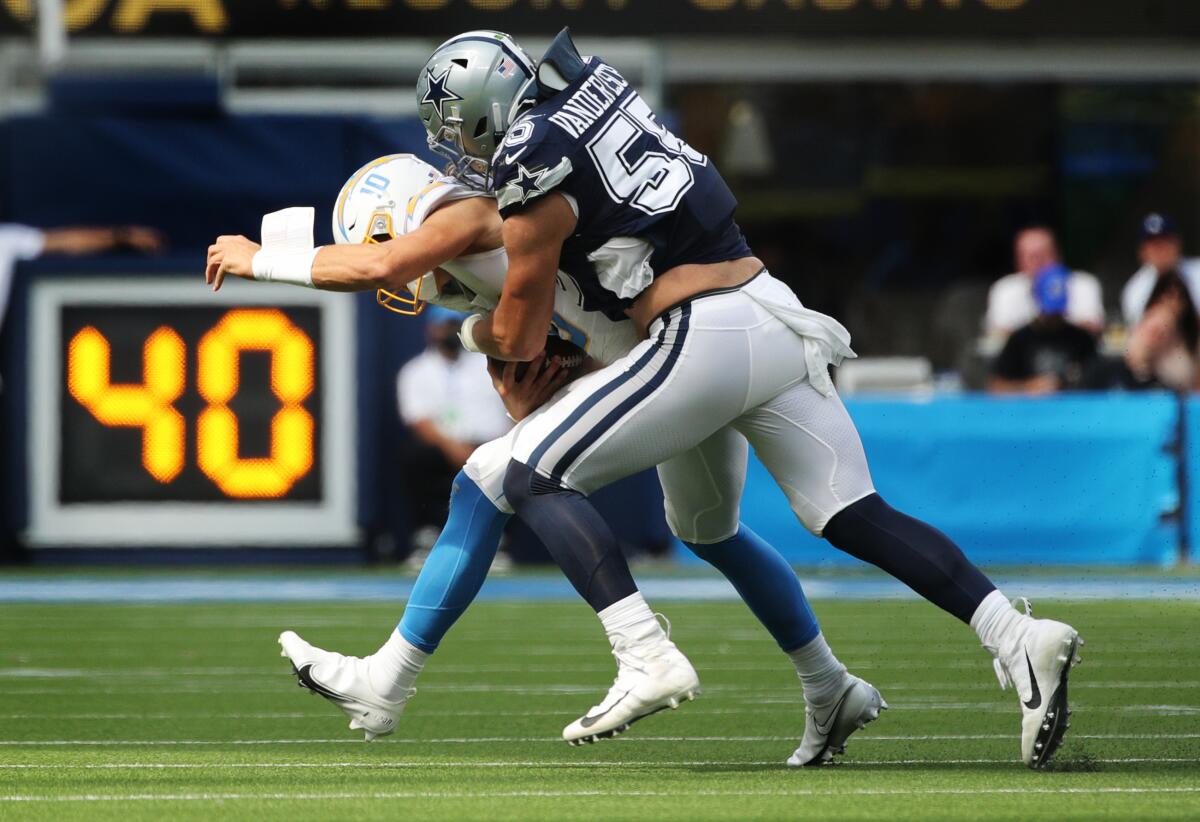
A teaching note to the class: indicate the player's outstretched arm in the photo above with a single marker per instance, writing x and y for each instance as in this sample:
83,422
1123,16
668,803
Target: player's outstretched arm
533,238
453,229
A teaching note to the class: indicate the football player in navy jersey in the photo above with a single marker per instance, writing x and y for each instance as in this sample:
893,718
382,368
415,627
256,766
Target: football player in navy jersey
576,160
404,228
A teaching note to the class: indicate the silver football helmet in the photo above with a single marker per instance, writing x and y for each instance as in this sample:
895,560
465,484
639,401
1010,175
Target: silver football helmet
468,94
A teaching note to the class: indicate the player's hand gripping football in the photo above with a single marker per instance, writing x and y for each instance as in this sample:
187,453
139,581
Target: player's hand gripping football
525,387
230,255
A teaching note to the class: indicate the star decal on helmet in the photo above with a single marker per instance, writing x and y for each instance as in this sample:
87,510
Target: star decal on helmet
438,94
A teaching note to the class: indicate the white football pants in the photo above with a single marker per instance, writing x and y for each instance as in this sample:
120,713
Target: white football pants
718,371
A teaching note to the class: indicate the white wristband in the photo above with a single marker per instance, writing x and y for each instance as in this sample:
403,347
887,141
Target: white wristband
278,266
466,333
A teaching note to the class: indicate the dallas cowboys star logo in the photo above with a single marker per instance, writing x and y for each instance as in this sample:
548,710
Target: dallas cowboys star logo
528,183
437,94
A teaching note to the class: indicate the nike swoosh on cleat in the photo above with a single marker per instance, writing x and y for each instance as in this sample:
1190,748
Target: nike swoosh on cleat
1035,701
304,674
832,713
589,721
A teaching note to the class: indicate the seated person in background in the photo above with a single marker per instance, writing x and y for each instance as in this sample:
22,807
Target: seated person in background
1011,303
448,403
1161,251
1049,354
1163,347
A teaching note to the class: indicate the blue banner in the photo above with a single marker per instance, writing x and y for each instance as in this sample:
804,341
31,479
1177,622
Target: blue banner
1064,480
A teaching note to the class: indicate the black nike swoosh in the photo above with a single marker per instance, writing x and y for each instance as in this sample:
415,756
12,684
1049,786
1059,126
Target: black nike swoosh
589,721
832,714
306,679
1036,700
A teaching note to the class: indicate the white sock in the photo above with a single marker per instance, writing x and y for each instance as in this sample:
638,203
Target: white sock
631,620
995,619
819,670
393,669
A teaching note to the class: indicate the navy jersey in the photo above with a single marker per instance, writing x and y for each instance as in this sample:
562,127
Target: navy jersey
598,142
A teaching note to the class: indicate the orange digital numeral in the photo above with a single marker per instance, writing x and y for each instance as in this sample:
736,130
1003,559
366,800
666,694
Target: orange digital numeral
149,406
292,374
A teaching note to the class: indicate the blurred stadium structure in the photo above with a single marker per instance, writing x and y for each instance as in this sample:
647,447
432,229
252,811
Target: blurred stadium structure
884,153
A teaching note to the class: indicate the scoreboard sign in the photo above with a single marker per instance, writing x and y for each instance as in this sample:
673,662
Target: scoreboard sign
163,414
438,19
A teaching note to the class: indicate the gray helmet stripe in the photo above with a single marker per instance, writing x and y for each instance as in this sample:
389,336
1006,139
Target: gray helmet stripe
522,60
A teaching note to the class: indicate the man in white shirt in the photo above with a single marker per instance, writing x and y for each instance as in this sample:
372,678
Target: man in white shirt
1011,303
1161,251
448,403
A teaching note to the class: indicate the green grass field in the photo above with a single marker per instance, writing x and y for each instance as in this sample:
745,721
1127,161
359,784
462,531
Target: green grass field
187,712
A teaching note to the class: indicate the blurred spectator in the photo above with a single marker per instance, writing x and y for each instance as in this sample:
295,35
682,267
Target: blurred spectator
1163,347
1161,251
1049,354
1011,303
17,243
448,403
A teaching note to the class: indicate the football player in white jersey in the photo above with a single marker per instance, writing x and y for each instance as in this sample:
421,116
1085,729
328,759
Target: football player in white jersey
418,236
576,158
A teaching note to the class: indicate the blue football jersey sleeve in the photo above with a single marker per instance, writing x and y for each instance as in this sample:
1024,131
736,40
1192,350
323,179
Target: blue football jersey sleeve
598,142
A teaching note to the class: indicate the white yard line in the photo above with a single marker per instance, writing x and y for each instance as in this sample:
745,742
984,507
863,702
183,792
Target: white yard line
606,793
554,740
445,685
754,707
433,763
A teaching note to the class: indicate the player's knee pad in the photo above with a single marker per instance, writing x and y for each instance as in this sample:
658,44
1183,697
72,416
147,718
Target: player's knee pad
707,529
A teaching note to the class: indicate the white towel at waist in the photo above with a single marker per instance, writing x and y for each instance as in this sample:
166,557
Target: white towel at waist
826,341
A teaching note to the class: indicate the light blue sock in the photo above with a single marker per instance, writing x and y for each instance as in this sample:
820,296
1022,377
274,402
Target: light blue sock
767,584
456,568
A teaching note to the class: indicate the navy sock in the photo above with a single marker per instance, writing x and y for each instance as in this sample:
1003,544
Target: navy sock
574,533
456,567
919,555
767,583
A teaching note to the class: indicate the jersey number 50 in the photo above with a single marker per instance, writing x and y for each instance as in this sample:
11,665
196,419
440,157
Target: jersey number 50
653,182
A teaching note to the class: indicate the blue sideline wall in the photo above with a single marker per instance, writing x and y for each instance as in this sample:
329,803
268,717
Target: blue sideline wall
1086,479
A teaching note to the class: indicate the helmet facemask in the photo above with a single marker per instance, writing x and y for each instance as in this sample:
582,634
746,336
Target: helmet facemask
381,230
448,142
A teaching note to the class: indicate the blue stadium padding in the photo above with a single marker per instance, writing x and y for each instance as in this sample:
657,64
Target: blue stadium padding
1062,480
1191,440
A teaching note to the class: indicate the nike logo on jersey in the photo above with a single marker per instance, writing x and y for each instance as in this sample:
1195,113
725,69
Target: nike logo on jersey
825,727
512,158
1035,701
589,721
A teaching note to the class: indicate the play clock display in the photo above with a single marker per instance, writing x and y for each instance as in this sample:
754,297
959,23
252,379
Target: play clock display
204,418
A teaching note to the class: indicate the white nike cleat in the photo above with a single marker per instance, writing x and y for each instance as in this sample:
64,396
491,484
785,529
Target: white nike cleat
827,728
1036,662
344,681
651,677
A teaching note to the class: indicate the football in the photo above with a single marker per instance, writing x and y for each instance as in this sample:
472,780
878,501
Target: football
572,356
